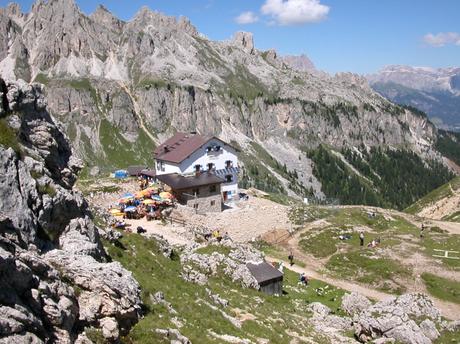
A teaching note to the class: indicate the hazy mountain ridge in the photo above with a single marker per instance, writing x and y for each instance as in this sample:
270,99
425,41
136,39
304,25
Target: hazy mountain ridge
435,91
120,87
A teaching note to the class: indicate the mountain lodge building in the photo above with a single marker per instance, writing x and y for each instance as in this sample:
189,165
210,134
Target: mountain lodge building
202,172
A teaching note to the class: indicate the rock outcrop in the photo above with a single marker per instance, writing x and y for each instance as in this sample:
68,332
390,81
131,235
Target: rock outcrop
55,278
409,319
198,266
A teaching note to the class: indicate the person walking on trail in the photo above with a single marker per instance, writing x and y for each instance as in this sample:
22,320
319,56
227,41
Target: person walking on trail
361,239
422,231
291,258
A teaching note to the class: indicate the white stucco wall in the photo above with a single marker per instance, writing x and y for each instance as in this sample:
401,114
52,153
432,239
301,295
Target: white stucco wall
203,158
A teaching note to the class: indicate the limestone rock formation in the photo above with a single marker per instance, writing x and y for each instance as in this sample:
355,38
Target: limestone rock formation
55,280
354,303
197,266
409,319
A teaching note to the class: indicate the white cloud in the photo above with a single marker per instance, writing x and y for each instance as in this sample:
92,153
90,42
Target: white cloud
441,39
246,18
295,12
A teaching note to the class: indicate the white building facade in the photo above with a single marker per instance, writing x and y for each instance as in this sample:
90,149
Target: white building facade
188,154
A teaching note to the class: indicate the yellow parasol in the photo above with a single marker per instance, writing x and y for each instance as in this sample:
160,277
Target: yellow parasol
146,192
114,211
166,195
148,201
139,195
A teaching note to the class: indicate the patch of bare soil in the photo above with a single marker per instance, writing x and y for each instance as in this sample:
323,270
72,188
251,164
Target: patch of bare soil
243,220
443,207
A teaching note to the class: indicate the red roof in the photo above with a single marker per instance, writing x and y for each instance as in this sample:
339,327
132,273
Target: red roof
179,147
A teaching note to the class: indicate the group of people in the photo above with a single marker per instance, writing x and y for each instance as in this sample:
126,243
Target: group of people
216,234
374,243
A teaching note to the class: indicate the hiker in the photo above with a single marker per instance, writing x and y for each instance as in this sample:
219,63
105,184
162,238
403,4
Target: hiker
374,243
120,224
422,231
227,236
216,234
303,279
207,236
361,239
291,258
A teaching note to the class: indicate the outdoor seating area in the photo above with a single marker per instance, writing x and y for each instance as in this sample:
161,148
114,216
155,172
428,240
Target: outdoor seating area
151,202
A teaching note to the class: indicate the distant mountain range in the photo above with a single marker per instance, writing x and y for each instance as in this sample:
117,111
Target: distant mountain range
435,91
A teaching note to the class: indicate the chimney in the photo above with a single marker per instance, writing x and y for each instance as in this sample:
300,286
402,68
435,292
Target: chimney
166,149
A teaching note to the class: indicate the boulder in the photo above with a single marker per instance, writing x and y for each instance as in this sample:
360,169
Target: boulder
354,303
394,318
110,329
429,329
107,289
174,335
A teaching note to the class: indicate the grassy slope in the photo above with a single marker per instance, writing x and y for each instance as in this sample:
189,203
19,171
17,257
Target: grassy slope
273,315
374,267
269,317
442,288
434,196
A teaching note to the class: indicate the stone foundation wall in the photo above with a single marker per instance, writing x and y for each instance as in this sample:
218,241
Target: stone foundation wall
206,200
206,204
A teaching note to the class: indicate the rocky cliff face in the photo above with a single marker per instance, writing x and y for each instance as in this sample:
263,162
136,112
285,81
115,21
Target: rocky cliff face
121,87
55,278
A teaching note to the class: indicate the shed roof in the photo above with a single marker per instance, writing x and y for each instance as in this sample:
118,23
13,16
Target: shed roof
148,173
135,170
178,182
264,272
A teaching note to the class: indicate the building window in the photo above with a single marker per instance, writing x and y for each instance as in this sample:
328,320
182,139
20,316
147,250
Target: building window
228,164
216,148
213,203
228,178
195,206
212,188
210,166
197,168
160,166
196,191
208,149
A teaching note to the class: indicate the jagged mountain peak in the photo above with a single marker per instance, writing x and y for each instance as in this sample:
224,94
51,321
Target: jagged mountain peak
299,62
67,7
244,40
104,17
147,17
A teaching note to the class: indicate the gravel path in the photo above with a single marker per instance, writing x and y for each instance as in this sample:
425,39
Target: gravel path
315,266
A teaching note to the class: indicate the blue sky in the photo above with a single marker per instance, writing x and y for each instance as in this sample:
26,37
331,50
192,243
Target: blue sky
338,35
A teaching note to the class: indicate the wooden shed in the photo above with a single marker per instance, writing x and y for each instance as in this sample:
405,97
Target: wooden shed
135,171
269,278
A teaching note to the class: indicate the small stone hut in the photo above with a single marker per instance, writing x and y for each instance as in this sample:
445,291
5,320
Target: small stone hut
269,278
